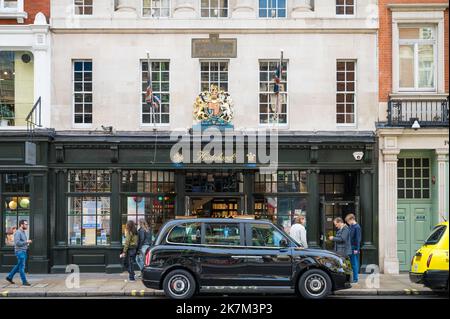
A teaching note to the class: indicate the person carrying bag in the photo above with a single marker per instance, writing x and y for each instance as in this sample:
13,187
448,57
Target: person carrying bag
130,248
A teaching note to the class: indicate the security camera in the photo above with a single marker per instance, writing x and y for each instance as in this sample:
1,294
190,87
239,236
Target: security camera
358,156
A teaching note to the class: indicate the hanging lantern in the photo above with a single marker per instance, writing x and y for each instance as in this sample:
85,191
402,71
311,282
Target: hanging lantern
12,205
24,202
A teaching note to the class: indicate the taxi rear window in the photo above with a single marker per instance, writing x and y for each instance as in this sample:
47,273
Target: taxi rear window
436,235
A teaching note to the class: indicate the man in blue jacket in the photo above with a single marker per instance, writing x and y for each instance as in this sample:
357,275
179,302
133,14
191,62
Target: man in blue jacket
21,243
355,238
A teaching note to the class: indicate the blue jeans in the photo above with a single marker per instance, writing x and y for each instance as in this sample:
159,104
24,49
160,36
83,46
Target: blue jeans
141,257
20,266
354,260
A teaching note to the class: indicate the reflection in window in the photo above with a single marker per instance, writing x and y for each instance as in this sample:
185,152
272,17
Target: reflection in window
345,92
156,8
417,65
272,8
214,8
160,86
82,88
345,7
16,87
186,234
223,234
83,7
269,110
148,181
214,72
264,235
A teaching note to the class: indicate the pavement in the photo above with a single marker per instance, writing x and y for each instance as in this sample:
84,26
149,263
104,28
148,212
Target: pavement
116,285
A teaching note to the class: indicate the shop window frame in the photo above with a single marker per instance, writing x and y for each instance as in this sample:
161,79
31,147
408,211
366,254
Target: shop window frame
149,193
3,195
97,193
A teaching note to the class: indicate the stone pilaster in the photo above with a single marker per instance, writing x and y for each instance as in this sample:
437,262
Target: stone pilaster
388,213
442,181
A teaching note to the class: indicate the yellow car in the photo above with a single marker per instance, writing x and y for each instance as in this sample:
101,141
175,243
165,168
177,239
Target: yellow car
429,266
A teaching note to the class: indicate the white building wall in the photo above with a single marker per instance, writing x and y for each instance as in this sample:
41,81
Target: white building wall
117,40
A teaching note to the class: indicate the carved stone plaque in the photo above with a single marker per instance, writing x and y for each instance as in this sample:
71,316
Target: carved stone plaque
214,48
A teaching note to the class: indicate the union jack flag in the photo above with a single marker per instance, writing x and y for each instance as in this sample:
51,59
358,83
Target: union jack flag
150,98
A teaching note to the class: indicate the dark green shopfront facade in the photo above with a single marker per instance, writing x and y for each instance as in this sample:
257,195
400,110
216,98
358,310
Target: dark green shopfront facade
84,187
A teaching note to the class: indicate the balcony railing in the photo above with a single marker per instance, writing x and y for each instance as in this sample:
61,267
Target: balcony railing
34,118
429,113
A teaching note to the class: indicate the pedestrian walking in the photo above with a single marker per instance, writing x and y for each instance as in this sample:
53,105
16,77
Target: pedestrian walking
298,230
21,243
342,244
130,248
355,240
144,242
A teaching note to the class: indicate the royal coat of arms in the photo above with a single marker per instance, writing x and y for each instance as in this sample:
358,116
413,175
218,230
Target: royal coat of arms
214,107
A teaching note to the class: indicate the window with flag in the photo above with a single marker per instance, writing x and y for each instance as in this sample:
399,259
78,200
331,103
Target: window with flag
214,72
82,88
155,92
272,8
272,92
345,92
156,8
345,7
83,7
214,8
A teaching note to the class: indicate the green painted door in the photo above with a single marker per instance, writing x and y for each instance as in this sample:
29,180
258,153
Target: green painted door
413,227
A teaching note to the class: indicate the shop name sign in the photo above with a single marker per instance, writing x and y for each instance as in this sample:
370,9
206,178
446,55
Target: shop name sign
214,48
217,146
218,158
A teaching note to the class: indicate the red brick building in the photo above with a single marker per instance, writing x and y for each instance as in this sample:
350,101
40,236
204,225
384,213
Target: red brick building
413,126
22,11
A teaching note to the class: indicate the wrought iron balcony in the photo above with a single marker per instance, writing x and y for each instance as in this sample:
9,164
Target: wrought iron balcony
428,112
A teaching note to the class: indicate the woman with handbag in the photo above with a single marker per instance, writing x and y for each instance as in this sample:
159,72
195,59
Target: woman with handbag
130,248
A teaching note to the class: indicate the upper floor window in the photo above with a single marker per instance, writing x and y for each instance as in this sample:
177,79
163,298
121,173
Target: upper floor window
156,8
345,92
82,88
417,61
16,87
272,8
272,92
214,72
214,8
155,93
9,5
83,7
345,7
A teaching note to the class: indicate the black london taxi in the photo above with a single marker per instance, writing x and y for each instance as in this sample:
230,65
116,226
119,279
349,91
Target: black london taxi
191,256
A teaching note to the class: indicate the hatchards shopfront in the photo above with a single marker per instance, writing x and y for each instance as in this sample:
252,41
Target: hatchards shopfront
86,186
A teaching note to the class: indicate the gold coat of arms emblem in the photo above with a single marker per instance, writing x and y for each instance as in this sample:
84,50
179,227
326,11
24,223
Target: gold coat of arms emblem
214,107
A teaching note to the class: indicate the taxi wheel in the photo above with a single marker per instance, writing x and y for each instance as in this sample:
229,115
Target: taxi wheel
179,284
314,284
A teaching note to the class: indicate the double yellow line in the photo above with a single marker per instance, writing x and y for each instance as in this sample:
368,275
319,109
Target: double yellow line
134,293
